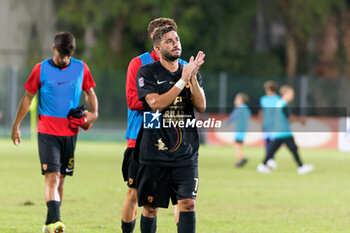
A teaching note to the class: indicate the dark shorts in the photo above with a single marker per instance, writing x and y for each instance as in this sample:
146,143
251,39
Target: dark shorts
57,153
130,167
156,185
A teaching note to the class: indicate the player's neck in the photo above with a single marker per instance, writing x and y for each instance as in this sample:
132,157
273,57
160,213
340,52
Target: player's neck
172,66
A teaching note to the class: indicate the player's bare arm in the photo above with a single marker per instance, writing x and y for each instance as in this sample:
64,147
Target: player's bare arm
21,113
294,118
197,93
160,102
91,100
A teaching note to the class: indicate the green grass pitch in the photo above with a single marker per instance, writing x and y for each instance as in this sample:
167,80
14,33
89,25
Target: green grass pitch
230,200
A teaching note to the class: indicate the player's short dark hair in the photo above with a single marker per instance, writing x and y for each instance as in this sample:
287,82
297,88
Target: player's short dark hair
64,43
159,33
270,85
243,96
160,22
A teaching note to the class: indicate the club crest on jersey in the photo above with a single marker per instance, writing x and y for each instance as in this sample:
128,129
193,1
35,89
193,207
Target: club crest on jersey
161,145
44,166
131,181
141,82
150,199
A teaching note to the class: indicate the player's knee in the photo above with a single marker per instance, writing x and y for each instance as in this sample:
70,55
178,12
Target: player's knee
187,205
132,195
149,211
52,178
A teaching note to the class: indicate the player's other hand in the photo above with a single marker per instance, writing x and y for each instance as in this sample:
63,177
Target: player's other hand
91,118
77,117
75,122
16,136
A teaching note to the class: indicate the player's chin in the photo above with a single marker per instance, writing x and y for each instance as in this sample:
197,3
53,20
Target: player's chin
176,53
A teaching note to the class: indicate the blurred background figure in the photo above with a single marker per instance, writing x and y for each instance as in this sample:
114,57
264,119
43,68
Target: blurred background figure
266,114
282,133
240,117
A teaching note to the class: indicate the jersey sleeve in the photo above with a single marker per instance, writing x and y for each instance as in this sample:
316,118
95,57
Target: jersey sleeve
130,87
33,82
88,81
146,83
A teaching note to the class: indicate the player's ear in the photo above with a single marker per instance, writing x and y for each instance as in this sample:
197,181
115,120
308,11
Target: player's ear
53,47
156,48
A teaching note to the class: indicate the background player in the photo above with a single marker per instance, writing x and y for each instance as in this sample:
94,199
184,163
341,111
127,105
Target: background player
60,80
282,133
168,162
240,116
130,163
267,104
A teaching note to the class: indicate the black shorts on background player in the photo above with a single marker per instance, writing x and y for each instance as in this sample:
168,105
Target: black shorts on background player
130,164
57,153
130,167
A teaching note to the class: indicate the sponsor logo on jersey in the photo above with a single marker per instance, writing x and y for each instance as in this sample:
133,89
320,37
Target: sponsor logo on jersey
160,82
61,83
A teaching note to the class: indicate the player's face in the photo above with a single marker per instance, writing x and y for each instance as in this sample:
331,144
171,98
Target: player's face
170,46
238,101
290,96
61,60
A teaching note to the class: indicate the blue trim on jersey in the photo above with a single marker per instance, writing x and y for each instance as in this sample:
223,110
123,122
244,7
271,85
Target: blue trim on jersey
135,118
60,90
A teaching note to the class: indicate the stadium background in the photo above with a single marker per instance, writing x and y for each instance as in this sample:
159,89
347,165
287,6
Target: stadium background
302,43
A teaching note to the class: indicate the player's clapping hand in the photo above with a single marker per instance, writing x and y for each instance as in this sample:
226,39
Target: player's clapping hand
199,61
188,70
193,66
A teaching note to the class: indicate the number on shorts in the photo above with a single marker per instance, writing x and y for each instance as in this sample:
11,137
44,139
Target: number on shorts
71,163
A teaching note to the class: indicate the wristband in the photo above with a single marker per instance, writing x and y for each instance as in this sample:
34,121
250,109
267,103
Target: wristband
180,84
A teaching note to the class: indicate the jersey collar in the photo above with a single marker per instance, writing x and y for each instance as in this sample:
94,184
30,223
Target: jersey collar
154,55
